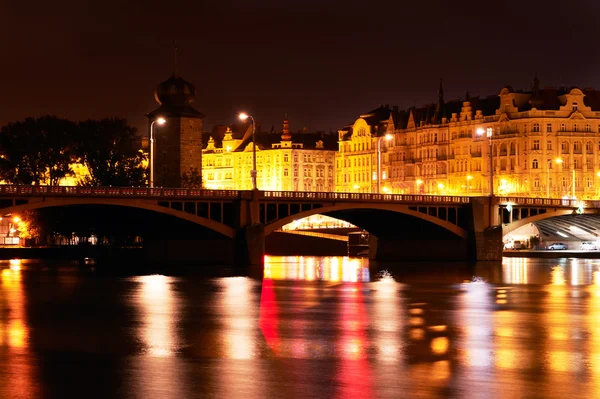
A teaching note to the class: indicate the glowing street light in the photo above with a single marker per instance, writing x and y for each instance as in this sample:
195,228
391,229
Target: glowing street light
560,161
469,178
418,182
387,137
243,116
549,166
488,132
160,121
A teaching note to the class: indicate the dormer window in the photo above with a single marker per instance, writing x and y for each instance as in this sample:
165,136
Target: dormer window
574,106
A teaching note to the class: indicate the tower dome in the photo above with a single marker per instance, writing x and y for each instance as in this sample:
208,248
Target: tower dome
175,91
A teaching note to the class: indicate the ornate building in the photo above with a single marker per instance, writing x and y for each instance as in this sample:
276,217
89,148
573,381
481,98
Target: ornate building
178,142
284,161
543,142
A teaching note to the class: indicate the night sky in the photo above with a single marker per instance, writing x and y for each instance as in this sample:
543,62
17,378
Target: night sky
322,62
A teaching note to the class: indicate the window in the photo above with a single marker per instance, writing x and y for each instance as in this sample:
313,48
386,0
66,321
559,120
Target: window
577,164
574,106
549,145
286,158
589,163
577,147
564,182
588,147
549,128
563,127
536,145
374,175
588,182
536,183
574,127
536,127
588,128
534,164
564,146
285,172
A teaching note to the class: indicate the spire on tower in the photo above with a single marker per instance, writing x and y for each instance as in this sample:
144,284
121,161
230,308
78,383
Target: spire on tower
175,66
285,135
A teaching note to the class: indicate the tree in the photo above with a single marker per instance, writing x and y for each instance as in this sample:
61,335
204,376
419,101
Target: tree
36,151
109,148
191,179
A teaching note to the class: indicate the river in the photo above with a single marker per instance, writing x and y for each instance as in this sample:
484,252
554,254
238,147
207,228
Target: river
312,328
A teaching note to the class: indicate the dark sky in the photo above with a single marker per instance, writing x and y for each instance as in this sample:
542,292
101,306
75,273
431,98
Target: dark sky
322,62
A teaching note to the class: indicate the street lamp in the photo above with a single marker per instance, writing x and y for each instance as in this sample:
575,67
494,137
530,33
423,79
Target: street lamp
243,117
488,132
469,178
560,161
418,182
387,137
160,121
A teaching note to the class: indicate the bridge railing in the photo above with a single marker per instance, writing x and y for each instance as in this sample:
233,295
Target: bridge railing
560,202
133,192
307,195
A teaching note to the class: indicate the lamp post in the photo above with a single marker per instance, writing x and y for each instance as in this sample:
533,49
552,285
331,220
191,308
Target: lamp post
160,121
469,178
243,117
418,182
488,131
387,137
549,166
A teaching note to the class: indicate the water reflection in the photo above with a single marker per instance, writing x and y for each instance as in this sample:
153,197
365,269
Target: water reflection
310,268
158,306
315,327
19,376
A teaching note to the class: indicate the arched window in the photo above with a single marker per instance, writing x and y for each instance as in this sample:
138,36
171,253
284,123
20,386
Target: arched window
589,147
577,146
564,146
534,164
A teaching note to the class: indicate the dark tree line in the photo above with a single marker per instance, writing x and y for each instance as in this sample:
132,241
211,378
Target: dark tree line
43,150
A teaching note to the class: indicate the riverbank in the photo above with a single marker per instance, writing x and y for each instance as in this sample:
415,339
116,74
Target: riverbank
546,254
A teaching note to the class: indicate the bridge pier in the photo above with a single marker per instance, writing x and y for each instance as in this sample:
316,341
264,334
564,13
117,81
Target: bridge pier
486,233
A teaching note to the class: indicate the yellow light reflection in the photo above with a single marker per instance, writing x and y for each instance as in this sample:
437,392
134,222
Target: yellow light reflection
333,269
158,305
239,336
417,334
439,345
437,328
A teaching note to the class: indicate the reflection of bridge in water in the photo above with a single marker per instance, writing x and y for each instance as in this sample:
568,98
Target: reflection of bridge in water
231,226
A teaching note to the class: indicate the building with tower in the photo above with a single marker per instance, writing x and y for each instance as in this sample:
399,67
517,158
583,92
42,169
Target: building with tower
177,144
285,161
544,142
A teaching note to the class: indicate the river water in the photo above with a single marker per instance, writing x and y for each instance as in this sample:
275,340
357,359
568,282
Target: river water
312,328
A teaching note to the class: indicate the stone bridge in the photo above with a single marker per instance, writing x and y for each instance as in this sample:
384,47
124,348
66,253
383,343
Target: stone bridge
402,227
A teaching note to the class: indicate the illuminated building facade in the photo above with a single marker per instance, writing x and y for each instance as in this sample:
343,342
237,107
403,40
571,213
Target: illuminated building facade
544,142
284,161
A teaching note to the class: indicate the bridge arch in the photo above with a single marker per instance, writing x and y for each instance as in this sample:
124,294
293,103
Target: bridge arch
510,227
398,208
127,203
